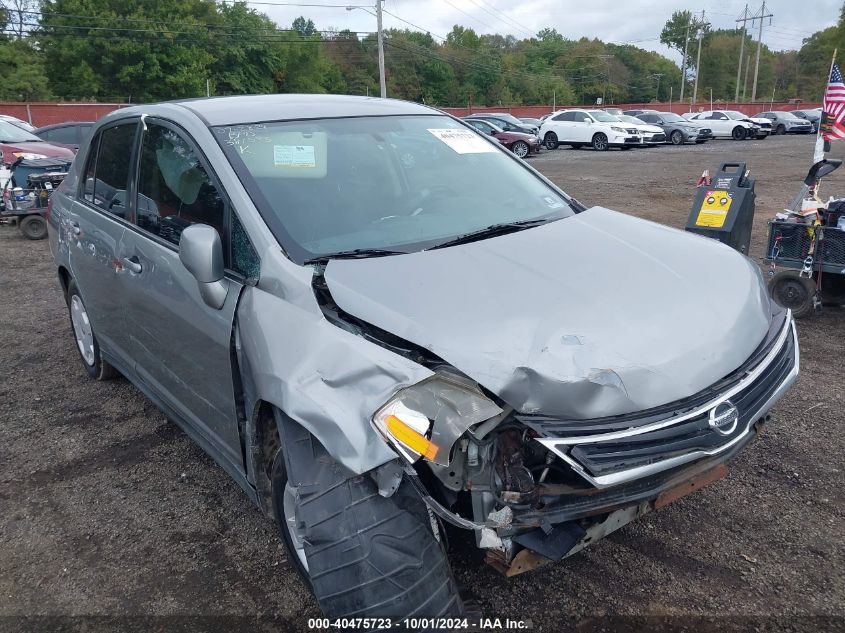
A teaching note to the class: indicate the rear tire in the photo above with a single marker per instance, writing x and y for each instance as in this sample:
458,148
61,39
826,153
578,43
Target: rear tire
780,129
367,555
550,140
86,341
739,133
33,227
790,290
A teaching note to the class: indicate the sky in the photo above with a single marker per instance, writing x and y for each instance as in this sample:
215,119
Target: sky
637,22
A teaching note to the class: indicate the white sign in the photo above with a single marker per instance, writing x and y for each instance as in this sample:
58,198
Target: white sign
294,156
464,141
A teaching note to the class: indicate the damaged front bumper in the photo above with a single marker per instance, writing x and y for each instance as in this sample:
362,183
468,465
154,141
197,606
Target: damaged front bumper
613,470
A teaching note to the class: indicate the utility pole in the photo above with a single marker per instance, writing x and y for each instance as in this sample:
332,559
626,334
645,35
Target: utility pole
700,27
759,45
606,59
381,79
657,90
745,80
741,51
684,64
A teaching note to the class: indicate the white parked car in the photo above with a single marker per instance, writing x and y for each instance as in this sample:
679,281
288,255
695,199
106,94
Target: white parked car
588,127
651,134
17,122
731,124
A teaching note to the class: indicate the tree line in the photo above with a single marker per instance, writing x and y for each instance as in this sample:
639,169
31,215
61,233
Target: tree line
146,50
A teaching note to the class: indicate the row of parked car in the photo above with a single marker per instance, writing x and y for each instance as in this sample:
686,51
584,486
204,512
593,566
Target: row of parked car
602,129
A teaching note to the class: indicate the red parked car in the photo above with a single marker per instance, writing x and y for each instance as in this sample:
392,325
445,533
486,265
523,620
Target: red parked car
16,142
520,144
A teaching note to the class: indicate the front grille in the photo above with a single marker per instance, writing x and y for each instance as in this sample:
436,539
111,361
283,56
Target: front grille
620,448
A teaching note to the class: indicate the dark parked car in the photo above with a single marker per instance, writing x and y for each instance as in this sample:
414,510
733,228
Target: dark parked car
520,144
379,322
678,130
814,116
16,142
507,122
786,123
70,135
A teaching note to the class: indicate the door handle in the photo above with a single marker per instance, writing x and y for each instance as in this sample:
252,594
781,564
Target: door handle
132,264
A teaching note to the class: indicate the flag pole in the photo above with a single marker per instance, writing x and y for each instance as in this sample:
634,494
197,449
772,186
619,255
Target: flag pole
821,145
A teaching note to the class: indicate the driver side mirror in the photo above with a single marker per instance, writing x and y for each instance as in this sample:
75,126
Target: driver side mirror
587,120
201,253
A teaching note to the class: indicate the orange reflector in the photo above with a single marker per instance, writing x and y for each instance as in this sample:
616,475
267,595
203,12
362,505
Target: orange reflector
410,438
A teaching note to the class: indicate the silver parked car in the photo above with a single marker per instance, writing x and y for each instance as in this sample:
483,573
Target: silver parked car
380,322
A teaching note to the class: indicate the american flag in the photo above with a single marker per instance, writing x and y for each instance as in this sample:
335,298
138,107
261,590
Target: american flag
833,119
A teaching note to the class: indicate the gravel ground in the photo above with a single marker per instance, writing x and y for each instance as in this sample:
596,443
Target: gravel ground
108,510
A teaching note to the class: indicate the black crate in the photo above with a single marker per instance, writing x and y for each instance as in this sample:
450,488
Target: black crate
790,243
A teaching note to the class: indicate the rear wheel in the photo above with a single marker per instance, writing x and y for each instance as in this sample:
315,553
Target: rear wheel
33,227
600,142
550,140
677,137
739,133
520,148
791,290
780,129
86,341
364,555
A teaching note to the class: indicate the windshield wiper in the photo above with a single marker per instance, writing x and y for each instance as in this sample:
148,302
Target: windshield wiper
358,253
492,231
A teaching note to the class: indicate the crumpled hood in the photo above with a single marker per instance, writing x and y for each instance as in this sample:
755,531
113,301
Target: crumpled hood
594,315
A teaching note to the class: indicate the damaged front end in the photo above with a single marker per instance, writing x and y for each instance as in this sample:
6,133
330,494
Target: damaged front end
536,488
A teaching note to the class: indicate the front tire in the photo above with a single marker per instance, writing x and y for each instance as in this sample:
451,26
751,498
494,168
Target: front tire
365,555
739,133
520,149
600,143
677,137
86,341
780,129
33,227
550,140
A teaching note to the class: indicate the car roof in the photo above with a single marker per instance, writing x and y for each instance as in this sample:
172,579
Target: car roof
53,126
243,109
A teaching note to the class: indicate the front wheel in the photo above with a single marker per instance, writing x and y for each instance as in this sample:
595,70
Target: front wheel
739,133
33,227
361,553
86,341
600,142
791,290
550,140
780,129
677,137
520,148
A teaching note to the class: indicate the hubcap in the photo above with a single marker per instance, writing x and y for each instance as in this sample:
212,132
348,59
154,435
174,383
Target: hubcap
521,150
82,329
600,143
290,520
791,294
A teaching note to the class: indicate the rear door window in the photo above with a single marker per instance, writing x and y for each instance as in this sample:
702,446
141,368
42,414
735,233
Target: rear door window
107,169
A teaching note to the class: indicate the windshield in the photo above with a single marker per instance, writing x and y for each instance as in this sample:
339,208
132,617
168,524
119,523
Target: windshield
10,133
401,183
669,117
602,116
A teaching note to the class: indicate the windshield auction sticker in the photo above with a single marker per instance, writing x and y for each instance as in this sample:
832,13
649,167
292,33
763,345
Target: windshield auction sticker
294,156
463,141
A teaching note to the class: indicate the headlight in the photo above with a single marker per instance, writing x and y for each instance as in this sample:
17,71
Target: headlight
619,130
426,419
28,155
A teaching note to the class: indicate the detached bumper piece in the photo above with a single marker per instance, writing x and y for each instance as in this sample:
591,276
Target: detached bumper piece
614,451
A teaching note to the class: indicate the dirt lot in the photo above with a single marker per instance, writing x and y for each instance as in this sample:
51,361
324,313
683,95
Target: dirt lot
107,509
